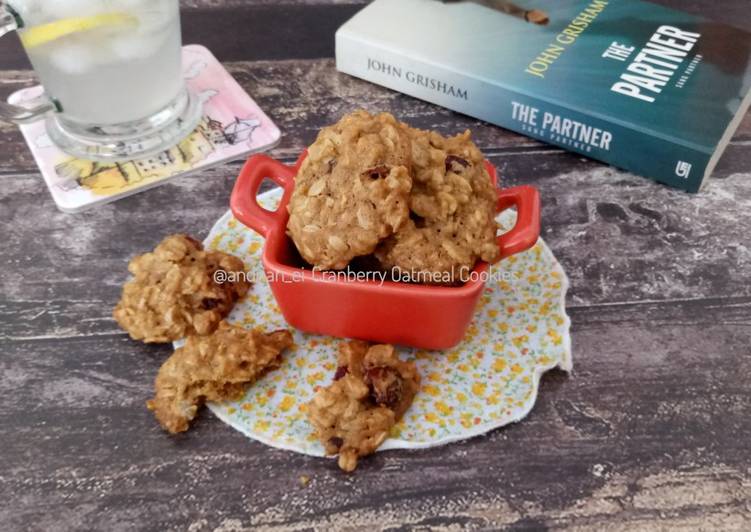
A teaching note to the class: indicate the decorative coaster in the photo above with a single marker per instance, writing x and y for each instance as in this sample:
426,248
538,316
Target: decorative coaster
519,332
233,127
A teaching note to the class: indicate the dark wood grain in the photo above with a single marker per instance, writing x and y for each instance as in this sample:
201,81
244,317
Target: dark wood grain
667,459
649,433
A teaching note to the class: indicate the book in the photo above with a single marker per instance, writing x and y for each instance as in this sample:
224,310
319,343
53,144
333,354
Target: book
648,89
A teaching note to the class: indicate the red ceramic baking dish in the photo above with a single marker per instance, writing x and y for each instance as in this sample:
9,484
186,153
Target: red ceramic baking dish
428,317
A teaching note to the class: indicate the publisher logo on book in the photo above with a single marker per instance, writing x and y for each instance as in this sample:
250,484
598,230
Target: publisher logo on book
683,169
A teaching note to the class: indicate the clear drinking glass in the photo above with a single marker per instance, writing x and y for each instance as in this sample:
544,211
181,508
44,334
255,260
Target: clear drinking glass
111,72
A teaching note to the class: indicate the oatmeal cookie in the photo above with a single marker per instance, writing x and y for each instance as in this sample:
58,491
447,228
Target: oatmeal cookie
173,292
372,390
217,367
352,190
452,212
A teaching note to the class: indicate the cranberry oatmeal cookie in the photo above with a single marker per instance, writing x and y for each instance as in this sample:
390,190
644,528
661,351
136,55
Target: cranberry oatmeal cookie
452,212
352,190
372,390
174,294
217,367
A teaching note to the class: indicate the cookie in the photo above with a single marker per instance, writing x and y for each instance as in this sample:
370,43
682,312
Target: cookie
217,367
351,191
372,390
452,213
173,292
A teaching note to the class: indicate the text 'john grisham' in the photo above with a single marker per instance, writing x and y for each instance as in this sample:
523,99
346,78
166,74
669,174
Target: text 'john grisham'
416,78
566,38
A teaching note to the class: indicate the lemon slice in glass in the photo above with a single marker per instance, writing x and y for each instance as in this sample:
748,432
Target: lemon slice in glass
45,33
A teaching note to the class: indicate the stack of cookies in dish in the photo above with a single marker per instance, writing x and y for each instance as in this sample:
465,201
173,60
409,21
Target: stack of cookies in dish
402,198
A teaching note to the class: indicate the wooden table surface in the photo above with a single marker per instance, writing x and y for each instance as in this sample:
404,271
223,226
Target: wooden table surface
651,431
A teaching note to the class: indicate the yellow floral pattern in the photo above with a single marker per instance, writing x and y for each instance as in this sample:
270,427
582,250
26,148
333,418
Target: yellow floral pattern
520,331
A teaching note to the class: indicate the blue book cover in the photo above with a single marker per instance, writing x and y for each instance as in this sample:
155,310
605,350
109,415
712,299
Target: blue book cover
648,89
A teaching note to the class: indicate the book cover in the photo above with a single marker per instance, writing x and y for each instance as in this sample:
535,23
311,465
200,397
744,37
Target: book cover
648,89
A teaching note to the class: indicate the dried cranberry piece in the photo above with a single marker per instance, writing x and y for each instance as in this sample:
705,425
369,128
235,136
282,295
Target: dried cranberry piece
420,222
209,303
385,386
341,371
379,172
454,163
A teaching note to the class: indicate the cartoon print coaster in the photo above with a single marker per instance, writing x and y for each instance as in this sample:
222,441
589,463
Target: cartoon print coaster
233,127
519,332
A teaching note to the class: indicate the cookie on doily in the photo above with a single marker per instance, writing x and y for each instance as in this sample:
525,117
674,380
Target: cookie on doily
174,291
372,389
218,367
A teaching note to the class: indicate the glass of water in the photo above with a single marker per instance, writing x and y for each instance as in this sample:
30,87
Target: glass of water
111,72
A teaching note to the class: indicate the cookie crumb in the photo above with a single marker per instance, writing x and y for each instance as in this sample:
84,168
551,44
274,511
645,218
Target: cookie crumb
304,481
535,16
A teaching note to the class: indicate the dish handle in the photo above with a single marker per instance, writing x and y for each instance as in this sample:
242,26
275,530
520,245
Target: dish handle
525,233
244,203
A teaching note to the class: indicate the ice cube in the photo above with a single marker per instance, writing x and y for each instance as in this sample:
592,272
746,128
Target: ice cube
136,46
57,9
73,58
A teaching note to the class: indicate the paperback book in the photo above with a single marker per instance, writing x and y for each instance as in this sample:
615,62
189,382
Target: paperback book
648,89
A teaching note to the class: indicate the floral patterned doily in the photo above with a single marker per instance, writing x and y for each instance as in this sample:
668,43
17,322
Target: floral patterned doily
519,332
